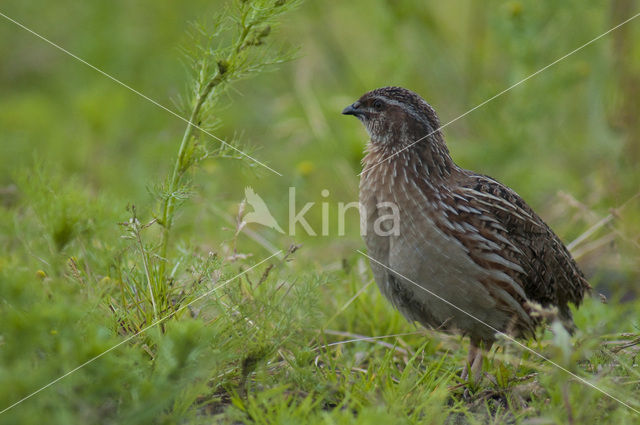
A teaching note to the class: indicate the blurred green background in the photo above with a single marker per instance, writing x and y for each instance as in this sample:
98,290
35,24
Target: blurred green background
567,140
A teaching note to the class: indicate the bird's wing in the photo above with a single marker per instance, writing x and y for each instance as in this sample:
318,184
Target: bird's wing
504,234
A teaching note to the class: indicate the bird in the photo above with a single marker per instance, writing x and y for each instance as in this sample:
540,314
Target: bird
261,213
451,249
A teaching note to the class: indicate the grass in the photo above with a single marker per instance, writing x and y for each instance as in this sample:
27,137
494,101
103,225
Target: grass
104,229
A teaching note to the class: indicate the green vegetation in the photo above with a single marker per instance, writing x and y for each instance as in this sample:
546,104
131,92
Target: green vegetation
121,232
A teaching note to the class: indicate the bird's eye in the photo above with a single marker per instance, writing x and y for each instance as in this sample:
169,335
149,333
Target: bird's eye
377,104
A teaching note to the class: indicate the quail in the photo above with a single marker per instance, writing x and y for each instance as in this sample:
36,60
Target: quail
453,234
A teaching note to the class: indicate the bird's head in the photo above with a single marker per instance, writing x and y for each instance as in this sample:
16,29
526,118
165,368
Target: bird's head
394,117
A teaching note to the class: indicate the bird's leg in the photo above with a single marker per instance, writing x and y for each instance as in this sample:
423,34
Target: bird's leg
470,358
476,366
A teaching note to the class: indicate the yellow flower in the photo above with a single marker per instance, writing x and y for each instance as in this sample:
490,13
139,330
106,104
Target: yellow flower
305,168
515,8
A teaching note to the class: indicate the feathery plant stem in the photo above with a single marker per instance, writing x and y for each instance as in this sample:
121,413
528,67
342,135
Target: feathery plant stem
230,48
178,168
168,204
253,25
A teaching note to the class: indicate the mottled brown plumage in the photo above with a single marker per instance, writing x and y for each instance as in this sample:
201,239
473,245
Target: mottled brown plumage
463,236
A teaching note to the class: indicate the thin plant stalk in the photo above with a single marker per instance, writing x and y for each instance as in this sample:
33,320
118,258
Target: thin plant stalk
253,27
145,262
169,203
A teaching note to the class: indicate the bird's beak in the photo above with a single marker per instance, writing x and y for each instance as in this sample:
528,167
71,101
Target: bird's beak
353,109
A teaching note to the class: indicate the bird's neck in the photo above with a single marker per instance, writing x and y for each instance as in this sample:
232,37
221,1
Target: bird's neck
428,158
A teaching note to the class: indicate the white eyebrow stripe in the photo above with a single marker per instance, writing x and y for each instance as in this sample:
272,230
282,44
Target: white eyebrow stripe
407,107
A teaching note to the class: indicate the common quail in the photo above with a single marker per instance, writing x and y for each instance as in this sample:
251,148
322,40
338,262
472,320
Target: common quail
460,235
